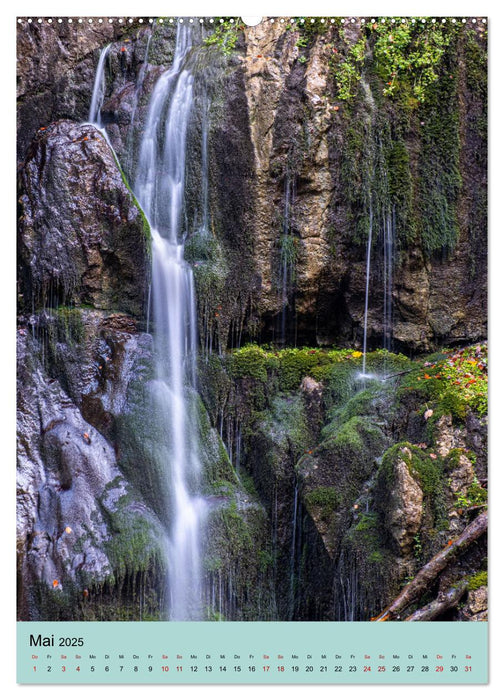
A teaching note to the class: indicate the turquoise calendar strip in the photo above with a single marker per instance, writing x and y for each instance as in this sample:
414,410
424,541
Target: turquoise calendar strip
252,652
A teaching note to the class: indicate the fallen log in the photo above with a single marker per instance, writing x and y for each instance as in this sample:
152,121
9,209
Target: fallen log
445,600
429,572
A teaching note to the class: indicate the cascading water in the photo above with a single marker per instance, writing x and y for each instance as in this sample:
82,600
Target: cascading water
287,255
366,302
98,90
388,227
292,572
388,264
159,187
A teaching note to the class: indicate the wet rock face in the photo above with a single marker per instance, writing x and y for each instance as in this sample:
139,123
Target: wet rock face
288,124
64,465
56,64
77,515
56,70
298,142
82,238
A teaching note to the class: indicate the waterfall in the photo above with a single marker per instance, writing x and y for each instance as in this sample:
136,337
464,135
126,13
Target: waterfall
159,186
292,577
366,302
287,255
388,263
98,90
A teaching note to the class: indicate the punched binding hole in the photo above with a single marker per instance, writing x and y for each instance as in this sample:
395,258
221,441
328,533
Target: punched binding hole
251,21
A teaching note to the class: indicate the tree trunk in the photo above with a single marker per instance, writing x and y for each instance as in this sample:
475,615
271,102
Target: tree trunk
429,572
445,600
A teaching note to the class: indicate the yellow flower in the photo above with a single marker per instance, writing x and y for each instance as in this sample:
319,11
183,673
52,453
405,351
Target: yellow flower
356,353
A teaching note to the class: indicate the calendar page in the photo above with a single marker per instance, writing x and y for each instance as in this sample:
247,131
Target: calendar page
252,350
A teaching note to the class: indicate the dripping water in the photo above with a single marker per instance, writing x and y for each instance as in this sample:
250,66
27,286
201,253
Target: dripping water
287,256
292,592
366,302
388,262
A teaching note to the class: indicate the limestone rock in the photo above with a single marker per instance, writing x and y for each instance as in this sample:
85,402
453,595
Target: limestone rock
448,437
404,512
478,600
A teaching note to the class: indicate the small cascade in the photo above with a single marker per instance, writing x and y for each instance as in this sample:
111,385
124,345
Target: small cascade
388,266
366,302
292,572
238,447
287,258
231,436
387,235
274,528
348,584
98,90
97,99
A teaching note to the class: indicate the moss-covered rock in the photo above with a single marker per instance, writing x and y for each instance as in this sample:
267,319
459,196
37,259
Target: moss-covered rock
239,562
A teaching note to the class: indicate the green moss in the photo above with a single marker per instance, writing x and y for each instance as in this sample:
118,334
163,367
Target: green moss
215,383
342,381
326,498
286,420
357,165
439,165
295,364
145,224
357,442
134,545
225,35
400,187
235,529
210,269
476,66
477,494
250,361
369,564
478,580
309,28
70,326
238,553
358,405
368,524
421,465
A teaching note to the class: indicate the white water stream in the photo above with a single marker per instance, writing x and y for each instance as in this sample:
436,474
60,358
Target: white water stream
98,90
159,187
